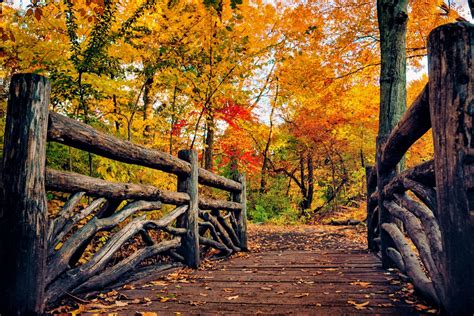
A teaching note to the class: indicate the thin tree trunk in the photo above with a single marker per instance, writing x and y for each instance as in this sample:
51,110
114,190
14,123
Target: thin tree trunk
263,180
173,118
147,105
209,150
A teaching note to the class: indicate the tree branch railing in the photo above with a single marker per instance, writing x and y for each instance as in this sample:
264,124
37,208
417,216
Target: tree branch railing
421,220
106,234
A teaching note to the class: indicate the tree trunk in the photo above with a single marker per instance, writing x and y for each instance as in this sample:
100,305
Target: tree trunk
310,191
147,105
392,18
263,175
209,150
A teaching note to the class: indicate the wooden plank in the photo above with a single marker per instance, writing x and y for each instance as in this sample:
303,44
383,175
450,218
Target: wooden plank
23,214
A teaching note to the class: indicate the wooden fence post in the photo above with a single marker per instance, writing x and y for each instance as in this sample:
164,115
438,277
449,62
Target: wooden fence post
383,178
241,197
189,184
23,217
451,82
371,181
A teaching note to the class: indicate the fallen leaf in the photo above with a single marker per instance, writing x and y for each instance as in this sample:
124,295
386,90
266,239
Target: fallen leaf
231,298
362,284
281,292
359,306
266,288
120,303
301,295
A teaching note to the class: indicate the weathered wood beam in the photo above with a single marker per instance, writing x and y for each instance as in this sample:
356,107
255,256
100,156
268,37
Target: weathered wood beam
73,133
420,239
112,274
228,228
428,221
224,237
215,244
412,266
70,222
211,204
189,184
397,258
60,261
413,125
74,277
70,182
63,181
23,209
212,230
241,215
57,224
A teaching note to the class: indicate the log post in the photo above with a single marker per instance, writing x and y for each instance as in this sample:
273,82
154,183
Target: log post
384,176
23,217
189,184
451,82
371,188
241,216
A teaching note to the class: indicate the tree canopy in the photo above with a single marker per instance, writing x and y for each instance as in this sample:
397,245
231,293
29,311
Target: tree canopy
285,91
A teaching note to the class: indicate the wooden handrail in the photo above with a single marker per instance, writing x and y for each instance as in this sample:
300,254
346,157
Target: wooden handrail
73,133
413,125
71,182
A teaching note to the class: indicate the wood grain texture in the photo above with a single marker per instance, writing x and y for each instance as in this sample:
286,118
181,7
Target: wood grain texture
189,184
82,136
451,81
23,214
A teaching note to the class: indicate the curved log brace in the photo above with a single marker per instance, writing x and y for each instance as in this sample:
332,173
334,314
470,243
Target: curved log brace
396,258
412,266
126,265
230,231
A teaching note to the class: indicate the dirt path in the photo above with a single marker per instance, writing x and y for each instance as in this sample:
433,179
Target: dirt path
305,270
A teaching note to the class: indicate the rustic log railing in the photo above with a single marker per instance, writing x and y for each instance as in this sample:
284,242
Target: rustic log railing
422,219
43,254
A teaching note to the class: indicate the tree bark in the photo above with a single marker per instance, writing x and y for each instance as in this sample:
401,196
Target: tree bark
73,133
209,141
392,20
412,266
189,184
23,213
241,215
451,69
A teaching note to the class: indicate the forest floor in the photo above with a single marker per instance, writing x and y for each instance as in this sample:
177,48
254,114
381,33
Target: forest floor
304,269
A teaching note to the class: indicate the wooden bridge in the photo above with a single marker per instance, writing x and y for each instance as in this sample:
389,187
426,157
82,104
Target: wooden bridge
429,206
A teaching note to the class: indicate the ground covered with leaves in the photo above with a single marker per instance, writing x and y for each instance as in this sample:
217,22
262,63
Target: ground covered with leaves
288,270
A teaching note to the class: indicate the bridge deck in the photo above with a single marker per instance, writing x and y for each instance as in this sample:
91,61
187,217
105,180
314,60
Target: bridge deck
311,280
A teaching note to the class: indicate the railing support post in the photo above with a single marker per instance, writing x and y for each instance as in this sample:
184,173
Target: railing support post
371,188
241,216
23,213
189,184
383,178
451,73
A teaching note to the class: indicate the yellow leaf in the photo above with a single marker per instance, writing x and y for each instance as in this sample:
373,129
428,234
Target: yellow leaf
301,295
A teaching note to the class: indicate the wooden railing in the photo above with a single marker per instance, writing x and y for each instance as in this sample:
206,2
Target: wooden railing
431,206
41,252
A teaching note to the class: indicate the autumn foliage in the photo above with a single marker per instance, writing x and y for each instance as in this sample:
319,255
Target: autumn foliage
287,92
